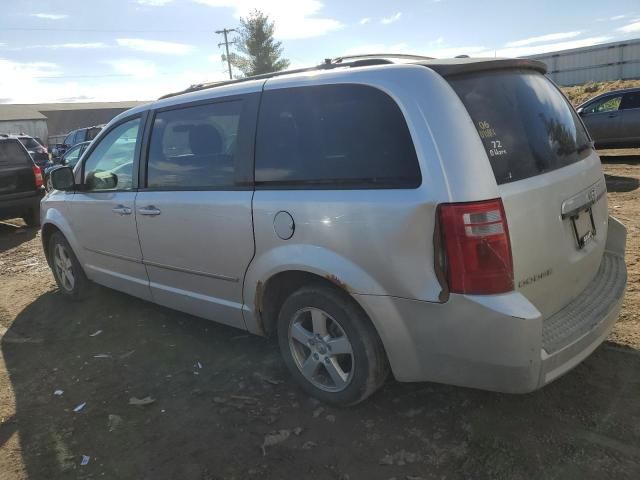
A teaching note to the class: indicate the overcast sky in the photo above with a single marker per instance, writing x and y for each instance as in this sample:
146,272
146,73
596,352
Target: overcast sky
78,50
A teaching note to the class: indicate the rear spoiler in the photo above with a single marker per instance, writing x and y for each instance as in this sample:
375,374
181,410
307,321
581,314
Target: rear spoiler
473,65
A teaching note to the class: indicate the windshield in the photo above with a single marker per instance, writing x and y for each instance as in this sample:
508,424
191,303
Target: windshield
525,123
29,143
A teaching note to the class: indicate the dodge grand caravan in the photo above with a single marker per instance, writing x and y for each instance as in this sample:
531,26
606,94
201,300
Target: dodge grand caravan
445,220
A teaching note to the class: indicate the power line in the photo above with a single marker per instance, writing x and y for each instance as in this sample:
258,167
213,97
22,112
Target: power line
226,42
98,30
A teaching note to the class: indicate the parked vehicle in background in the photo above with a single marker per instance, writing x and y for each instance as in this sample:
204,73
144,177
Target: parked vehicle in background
38,152
442,219
20,182
613,119
74,137
70,159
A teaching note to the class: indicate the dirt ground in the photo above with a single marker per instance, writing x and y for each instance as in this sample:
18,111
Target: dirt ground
218,393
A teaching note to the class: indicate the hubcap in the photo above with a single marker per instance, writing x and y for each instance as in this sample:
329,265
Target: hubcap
64,267
321,349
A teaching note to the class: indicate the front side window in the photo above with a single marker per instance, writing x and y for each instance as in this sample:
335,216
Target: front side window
607,104
195,147
80,136
334,136
69,139
110,164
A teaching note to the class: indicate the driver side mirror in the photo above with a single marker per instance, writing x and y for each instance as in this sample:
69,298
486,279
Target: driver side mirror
62,179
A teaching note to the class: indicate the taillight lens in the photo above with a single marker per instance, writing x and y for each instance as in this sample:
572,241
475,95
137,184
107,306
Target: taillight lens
37,172
478,249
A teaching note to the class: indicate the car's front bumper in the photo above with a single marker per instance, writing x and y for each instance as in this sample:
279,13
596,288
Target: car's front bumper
500,342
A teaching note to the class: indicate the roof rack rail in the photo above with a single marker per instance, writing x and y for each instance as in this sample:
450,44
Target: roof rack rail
404,56
327,65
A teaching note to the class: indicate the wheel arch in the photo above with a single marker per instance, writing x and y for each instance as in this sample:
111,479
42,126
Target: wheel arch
271,277
52,222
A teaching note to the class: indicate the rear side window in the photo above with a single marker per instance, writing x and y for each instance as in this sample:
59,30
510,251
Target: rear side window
631,100
525,123
334,136
13,154
92,133
195,147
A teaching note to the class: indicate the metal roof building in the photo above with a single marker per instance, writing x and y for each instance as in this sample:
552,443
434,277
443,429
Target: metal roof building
597,63
23,118
54,120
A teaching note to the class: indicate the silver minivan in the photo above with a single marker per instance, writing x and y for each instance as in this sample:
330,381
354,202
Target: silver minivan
443,220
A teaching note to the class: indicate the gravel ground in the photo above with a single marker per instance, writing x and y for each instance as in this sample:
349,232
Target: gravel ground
224,408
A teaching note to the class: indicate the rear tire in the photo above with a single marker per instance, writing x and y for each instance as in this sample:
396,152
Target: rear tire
32,217
330,346
67,271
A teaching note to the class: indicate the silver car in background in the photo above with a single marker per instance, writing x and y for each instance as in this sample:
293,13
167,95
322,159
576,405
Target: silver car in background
445,220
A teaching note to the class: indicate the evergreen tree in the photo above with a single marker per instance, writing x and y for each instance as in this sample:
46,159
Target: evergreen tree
258,51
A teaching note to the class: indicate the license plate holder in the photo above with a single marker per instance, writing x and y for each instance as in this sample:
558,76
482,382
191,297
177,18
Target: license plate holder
584,227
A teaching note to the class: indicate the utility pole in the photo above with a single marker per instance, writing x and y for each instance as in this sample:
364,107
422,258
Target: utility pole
226,42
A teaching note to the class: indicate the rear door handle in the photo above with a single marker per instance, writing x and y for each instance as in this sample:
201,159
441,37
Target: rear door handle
149,210
613,115
122,210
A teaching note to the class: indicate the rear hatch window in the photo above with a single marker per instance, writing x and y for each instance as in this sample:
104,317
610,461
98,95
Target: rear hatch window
525,123
29,143
16,169
12,154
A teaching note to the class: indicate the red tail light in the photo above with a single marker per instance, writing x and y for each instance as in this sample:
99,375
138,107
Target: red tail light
478,249
38,174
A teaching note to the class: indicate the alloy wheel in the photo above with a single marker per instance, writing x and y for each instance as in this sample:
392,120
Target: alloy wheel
321,349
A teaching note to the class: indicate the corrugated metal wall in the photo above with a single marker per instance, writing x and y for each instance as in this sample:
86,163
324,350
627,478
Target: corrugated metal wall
33,128
609,61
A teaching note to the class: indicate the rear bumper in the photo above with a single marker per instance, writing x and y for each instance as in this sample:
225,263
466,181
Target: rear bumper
500,342
17,207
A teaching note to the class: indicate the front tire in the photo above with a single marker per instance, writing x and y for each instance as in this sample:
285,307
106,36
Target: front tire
330,346
67,271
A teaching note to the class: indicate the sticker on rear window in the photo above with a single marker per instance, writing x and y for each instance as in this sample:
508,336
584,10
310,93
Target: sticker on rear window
485,130
497,149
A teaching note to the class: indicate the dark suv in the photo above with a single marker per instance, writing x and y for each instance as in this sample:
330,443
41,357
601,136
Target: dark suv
20,182
38,152
74,137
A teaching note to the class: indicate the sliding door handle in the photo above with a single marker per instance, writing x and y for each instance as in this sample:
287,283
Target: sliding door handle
149,210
